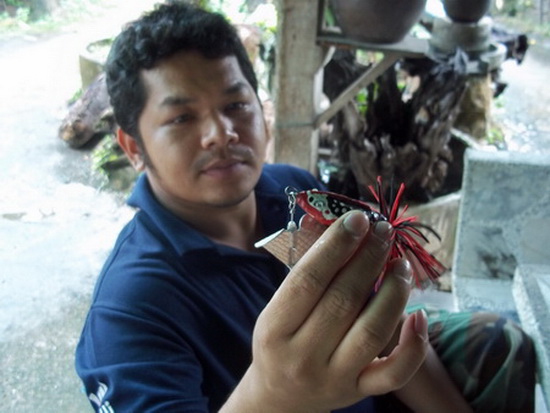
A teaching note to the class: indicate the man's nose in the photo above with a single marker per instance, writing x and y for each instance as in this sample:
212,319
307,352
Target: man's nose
218,130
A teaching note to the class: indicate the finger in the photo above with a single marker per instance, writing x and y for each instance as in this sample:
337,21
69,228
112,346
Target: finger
393,372
308,280
348,293
375,326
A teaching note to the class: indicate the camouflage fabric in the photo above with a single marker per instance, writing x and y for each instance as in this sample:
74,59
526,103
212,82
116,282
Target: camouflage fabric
491,360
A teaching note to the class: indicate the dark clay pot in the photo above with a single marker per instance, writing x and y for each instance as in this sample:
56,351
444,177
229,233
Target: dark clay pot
466,11
377,21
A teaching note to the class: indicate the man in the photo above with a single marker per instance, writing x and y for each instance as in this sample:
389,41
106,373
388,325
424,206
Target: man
187,315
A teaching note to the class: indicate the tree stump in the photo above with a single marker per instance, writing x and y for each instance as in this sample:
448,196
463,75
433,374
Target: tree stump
405,140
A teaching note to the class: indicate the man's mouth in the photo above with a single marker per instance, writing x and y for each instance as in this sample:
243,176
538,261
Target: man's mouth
223,167
225,162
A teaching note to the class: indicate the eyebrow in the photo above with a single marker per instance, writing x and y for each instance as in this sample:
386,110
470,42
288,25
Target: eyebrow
234,89
238,87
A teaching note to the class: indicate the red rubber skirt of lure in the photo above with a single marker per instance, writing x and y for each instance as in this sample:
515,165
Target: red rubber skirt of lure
325,207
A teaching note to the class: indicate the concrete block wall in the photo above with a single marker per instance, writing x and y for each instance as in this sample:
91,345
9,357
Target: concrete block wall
531,290
504,221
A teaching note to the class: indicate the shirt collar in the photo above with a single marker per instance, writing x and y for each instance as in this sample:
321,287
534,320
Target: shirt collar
272,207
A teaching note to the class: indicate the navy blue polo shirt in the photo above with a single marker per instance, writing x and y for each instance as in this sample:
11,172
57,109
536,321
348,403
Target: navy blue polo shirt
171,322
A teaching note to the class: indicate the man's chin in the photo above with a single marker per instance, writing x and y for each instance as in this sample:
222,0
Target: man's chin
231,194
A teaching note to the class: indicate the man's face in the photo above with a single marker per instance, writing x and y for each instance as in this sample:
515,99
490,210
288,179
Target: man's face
203,132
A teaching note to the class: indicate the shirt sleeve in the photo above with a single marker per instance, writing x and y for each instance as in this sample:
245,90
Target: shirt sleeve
130,364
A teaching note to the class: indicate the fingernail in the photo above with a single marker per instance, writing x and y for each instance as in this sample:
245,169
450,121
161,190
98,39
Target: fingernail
407,271
356,223
421,324
383,229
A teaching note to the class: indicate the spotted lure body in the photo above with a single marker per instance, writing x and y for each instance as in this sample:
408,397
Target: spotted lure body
325,208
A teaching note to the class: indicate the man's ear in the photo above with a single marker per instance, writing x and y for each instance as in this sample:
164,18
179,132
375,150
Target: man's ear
132,149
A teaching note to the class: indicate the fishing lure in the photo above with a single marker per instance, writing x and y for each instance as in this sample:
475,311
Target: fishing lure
322,208
327,207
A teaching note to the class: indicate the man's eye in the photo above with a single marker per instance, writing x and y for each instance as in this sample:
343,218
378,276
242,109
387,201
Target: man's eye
181,119
237,106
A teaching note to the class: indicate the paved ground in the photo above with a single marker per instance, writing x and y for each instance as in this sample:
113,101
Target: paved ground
524,108
56,227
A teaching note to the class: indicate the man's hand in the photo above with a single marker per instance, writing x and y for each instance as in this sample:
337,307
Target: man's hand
317,342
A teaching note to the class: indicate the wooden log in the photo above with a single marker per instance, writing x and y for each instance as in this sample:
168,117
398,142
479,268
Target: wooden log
89,116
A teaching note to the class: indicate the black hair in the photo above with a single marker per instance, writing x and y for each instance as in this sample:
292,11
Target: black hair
168,29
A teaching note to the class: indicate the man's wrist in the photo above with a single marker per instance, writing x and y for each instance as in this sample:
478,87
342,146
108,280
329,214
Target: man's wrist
248,397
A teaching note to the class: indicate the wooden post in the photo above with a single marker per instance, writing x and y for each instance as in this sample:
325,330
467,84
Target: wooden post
298,84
